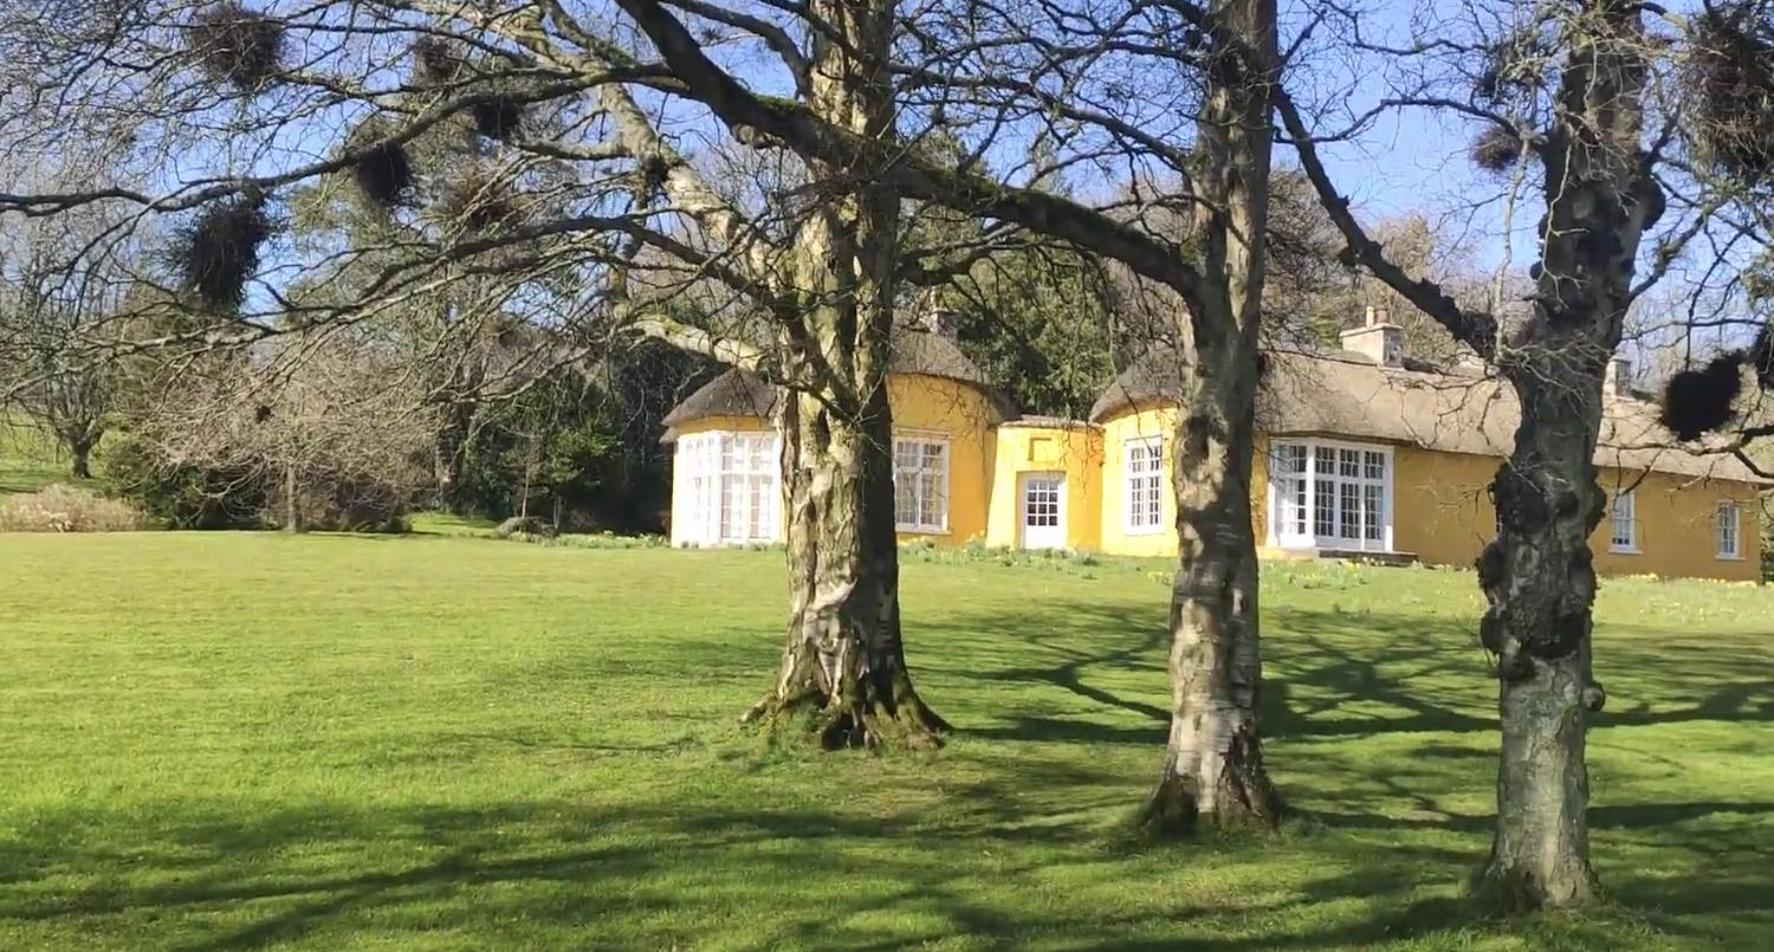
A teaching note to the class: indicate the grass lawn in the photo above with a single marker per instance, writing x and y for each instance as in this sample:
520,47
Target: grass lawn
233,741
29,459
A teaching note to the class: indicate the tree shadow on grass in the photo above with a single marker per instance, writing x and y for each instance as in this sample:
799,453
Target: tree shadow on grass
676,875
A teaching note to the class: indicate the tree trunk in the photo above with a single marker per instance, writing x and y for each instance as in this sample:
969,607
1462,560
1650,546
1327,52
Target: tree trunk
292,503
1213,767
843,675
1538,575
843,678
82,453
1540,581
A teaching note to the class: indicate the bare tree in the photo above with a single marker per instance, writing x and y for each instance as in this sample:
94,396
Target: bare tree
524,161
317,430
1578,110
51,296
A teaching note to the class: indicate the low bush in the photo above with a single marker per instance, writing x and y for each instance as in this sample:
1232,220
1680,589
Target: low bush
63,508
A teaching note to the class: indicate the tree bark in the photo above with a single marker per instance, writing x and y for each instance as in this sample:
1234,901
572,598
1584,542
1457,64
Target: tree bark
82,465
843,677
1538,575
1540,581
1213,767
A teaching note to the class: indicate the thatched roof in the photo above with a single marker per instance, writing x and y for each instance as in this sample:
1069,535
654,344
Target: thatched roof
734,393
914,350
1340,393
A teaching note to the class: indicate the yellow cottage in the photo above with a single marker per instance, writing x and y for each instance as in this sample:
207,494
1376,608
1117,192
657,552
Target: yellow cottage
1361,452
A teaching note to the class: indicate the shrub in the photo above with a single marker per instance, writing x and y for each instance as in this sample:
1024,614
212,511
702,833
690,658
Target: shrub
524,526
185,495
62,508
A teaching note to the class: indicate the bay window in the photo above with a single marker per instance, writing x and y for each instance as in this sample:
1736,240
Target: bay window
733,488
1330,495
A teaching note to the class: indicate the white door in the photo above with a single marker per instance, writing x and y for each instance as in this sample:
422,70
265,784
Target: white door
1044,510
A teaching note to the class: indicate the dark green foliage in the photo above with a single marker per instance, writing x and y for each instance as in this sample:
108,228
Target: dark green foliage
218,251
234,45
1697,402
1037,322
585,447
332,502
1731,69
249,495
384,174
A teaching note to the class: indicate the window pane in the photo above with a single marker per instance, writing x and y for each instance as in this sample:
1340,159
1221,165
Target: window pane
1372,513
1727,529
1376,465
1349,511
1623,521
1324,501
1349,463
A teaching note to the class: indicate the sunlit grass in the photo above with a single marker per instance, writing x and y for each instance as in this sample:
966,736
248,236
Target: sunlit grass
232,740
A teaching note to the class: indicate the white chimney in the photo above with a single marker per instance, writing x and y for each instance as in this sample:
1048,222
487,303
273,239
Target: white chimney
1378,339
939,320
1618,381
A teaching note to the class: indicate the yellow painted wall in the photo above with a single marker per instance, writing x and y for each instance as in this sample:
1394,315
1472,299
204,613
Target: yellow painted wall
963,415
1076,451
680,488
1442,511
1139,423
1676,532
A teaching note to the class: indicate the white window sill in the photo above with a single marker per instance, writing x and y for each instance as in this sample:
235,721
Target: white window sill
922,530
1618,550
1730,558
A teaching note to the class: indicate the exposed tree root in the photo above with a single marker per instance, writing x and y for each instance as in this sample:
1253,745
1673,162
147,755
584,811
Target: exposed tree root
908,725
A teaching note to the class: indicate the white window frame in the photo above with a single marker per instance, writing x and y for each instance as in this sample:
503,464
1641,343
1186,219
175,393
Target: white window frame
1024,482
1319,452
1728,527
1627,519
755,473
917,445
1135,486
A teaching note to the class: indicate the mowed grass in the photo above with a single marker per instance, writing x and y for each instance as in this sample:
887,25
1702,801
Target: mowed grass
29,459
238,741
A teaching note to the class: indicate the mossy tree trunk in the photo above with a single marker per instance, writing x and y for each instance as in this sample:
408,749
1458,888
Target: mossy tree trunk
843,677
1213,768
